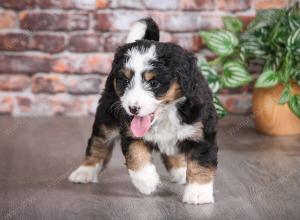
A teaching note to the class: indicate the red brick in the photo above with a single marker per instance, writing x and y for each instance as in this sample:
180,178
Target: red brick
84,43
162,5
92,103
24,104
233,5
111,41
6,104
100,4
208,54
197,5
269,4
54,21
48,83
83,84
103,21
14,82
61,4
240,103
83,64
187,22
24,64
165,37
50,43
59,104
190,42
236,91
8,19
246,19
13,41
18,4
117,20
211,22
128,4
73,4
181,22
62,105
91,4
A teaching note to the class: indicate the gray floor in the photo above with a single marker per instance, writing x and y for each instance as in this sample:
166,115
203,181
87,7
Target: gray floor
258,176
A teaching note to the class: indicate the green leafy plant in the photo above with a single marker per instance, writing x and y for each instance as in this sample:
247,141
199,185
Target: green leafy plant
273,37
228,69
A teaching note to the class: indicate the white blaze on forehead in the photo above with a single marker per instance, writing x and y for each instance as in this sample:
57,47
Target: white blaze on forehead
139,61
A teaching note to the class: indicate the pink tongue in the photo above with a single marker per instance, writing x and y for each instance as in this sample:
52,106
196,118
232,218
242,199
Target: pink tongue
140,125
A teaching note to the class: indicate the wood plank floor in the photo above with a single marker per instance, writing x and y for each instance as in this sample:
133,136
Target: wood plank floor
258,176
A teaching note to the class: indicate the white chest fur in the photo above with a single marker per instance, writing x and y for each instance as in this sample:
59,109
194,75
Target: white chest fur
167,130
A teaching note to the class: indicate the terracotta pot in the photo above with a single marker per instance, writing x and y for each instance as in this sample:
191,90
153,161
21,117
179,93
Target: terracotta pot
272,118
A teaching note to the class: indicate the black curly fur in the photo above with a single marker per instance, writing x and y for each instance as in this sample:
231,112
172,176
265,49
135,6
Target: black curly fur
173,63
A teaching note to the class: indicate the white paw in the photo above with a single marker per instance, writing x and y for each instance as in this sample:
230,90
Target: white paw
198,193
85,174
178,175
145,179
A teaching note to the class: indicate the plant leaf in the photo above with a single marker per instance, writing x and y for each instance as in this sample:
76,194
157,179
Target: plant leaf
295,75
264,18
235,75
232,24
211,76
220,42
287,71
294,17
294,104
285,95
267,79
221,111
294,23
293,42
253,47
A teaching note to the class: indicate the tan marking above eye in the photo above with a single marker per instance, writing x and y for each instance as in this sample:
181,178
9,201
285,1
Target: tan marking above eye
173,93
127,73
149,76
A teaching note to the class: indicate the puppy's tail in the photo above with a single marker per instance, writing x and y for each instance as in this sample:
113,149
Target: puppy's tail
143,29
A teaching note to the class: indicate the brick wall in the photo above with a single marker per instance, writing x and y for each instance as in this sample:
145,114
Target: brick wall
55,54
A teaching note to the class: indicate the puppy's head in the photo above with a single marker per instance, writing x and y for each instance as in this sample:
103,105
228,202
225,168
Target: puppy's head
149,75
144,83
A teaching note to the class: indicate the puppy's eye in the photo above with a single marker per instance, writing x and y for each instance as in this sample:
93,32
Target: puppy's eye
123,81
154,84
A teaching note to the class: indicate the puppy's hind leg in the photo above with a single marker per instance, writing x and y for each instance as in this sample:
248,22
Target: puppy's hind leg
98,154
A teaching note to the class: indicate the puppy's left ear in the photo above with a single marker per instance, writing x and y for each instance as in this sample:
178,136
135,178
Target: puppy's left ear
199,99
193,85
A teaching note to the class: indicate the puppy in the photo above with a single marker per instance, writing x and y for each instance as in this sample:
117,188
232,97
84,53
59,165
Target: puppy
155,98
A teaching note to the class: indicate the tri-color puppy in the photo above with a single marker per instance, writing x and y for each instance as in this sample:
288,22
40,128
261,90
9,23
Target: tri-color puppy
155,98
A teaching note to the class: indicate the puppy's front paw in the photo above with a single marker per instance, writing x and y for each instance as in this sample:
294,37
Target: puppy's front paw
198,193
85,174
178,175
145,179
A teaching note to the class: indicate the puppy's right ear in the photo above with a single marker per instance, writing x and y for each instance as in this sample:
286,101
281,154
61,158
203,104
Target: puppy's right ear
143,29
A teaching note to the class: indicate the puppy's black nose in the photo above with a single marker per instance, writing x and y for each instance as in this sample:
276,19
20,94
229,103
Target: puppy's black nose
134,109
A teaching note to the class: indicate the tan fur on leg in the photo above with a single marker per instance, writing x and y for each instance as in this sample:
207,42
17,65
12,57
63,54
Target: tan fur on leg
176,165
141,170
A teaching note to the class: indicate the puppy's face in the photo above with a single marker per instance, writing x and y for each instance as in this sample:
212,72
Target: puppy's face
145,83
